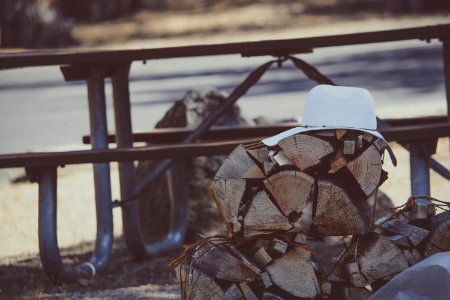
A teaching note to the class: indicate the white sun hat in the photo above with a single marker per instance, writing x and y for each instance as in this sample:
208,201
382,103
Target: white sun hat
336,107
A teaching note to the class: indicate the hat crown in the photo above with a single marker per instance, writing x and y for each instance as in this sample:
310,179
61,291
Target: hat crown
339,106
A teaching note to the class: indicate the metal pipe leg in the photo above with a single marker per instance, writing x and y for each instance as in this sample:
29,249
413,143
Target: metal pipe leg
420,181
130,216
420,170
124,138
102,181
47,177
48,241
446,60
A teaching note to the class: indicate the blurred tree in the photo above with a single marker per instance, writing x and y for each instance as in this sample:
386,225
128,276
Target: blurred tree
97,10
32,24
350,7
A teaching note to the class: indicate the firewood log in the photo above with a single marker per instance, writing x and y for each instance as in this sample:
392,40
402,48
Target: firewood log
399,240
261,258
366,170
265,278
233,293
305,150
379,258
440,234
261,155
248,293
264,217
412,256
414,234
271,296
291,190
368,137
217,261
340,133
196,285
293,272
416,255
269,167
281,159
326,288
278,247
336,214
325,133
354,275
359,141
239,165
303,224
236,252
352,293
301,238
337,162
349,147
228,193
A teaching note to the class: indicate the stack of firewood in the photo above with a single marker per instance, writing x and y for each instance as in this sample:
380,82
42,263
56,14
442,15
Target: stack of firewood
278,201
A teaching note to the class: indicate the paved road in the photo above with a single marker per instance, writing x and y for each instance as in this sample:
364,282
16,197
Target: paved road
39,110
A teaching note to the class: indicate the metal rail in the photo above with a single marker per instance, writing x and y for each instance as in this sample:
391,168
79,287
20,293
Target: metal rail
179,151
260,48
399,130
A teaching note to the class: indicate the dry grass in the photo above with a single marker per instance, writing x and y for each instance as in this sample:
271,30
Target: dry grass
24,277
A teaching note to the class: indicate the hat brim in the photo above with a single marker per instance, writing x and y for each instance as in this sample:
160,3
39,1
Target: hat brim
272,141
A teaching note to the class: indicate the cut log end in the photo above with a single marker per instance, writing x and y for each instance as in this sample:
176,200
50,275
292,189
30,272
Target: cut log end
263,217
239,165
228,193
286,271
336,214
290,189
366,169
305,150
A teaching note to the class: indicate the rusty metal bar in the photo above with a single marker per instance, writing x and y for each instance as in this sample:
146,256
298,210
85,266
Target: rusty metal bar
260,48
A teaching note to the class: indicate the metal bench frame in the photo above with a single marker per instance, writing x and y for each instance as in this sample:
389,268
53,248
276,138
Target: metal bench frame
95,66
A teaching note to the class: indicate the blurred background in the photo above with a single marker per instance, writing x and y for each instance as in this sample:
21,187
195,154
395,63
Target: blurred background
63,23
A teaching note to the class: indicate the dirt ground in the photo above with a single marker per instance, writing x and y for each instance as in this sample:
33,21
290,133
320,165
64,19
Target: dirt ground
21,275
24,278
